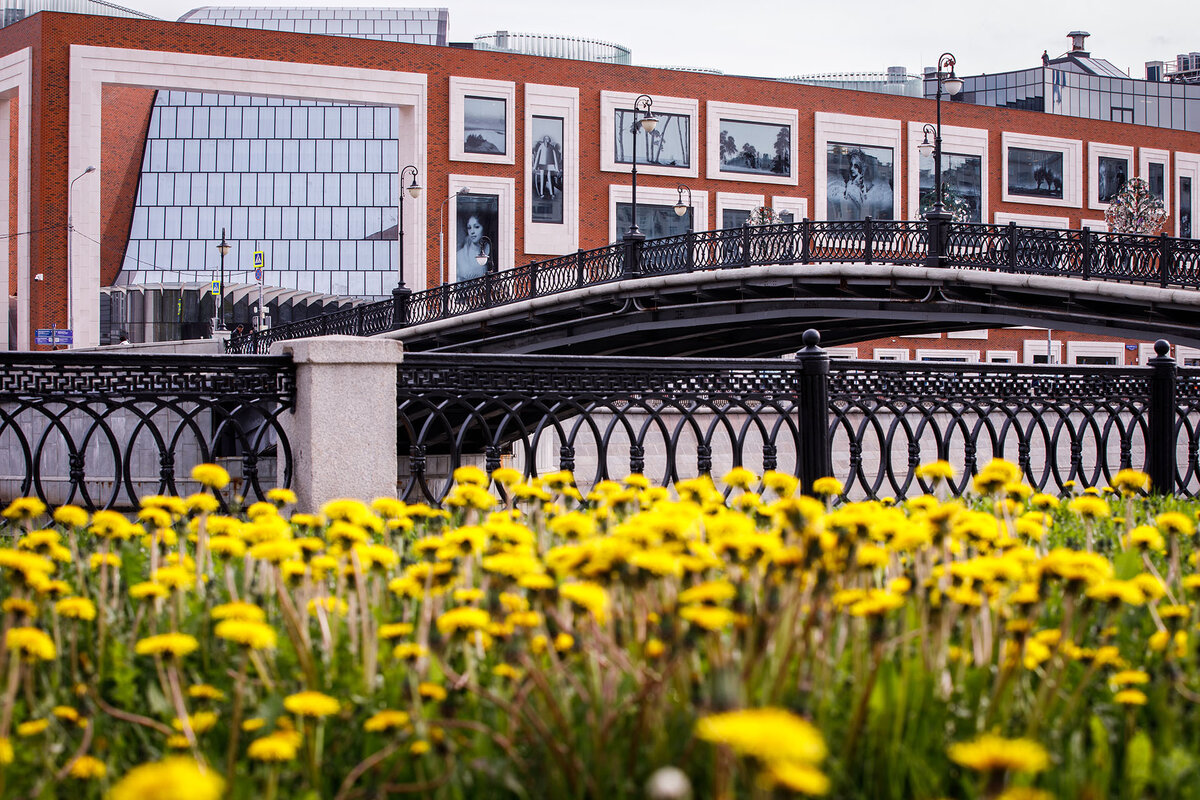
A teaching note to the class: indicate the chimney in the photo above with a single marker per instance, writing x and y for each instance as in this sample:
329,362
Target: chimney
1077,42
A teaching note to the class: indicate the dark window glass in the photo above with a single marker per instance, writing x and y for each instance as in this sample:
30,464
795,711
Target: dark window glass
653,220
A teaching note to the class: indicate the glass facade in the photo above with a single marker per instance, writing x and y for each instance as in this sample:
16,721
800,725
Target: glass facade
1077,94
17,10
311,185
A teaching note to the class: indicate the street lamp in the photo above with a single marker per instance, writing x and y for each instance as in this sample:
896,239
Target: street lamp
681,209
223,249
953,85
71,245
485,250
648,123
414,191
442,232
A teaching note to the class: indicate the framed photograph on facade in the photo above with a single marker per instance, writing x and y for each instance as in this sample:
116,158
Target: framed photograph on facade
485,120
654,221
670,149
656,215
1035,173
547,170
482,127
757,148
1154,167
1112,174
1185,208
1042,170
754,144
962,186
858,182
478,216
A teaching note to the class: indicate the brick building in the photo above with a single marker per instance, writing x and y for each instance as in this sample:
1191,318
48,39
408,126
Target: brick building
79,91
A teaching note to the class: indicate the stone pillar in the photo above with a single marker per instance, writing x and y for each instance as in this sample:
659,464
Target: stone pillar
343,434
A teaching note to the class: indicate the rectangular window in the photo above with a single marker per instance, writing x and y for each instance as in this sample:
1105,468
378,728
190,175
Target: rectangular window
962,186
485,125
756,148
653,220
668,145
859,182
1035,173
1185,208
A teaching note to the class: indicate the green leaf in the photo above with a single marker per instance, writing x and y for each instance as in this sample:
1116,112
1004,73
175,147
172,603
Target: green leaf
1127,564
1139,762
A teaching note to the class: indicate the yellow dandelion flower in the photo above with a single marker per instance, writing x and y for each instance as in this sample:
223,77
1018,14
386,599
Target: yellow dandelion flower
148,590
24,508
463,618
771,735
717,591
827,487
203,691
76,608
991,753
419,747
1131,481
711,618
71,516
174,577
936,471
30,643
1130,697
394,630
798,777
1146,537
740,478
1173,523
174,778
88,768
202,503
385,721
311,704
409,651
432,691
275,747
32,728
254,635
200,722
591,596
174,644
213,476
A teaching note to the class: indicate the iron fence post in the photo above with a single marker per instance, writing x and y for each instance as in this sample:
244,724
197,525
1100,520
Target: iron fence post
868,245
579,268
813,412
689,258
1160,443
746,245
533,271
1087,253
358,320
1012,247
1164,259
400,298
805,239
631,266
324,324
445,290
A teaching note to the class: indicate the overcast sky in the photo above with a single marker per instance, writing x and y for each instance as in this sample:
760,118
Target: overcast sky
791,38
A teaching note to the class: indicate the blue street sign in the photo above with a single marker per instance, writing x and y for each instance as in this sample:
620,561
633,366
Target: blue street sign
53,336
43,336
64,336
258,274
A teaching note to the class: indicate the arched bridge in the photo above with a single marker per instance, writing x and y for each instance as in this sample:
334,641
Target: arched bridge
753,290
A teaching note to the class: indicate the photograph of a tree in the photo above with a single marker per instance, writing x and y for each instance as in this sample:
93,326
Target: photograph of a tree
1136,210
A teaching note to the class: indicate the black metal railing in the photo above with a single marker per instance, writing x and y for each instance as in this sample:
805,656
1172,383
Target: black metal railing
101,430
870,424
1081,254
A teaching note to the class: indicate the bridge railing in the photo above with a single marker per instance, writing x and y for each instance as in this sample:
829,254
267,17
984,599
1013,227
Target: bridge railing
1085,254
102,430
870,424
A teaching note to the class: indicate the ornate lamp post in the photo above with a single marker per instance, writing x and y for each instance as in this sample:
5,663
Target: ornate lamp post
71,246
953,85
223,249
648,123
414,191
483,257
681,209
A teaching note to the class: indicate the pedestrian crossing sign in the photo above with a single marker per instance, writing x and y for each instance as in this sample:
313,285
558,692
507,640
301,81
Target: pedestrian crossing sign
216,288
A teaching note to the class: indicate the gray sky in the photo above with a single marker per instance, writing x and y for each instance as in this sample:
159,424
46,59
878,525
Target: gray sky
789,38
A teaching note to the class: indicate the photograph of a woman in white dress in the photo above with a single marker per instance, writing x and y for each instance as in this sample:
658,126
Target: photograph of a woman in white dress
859,182
546,166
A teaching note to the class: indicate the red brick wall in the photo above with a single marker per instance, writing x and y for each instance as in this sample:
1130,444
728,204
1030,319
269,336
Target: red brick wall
52,34
126,119
1000,339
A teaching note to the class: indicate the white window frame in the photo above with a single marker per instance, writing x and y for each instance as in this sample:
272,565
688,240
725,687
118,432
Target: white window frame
1187,165
1094,225
977,333
1037,347
717,111
842,353
734,201
653,196
798,206
544,238
1033,220
1115,350
479,87
1148,156
958,356
1182,353
1095,151
611,101
1072,150
959,141
480,184
890,354
922,335
870,131
1009,356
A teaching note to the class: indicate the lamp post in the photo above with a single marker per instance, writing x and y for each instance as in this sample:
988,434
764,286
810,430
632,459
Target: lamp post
442,232
414,191
483,257
71,245
953,85
681,209
648,123
223,249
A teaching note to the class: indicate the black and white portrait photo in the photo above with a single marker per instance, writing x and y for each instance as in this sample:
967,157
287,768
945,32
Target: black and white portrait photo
484,125
962,186
858,182
546,166
759,148
478,217
654,221
1157,181
1113,172
668,145
1035,173
1185,208
734,217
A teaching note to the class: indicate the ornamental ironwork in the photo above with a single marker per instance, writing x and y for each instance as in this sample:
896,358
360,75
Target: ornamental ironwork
101,430
1083,254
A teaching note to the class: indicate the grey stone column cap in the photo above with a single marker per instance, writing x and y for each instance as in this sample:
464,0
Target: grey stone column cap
341,349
